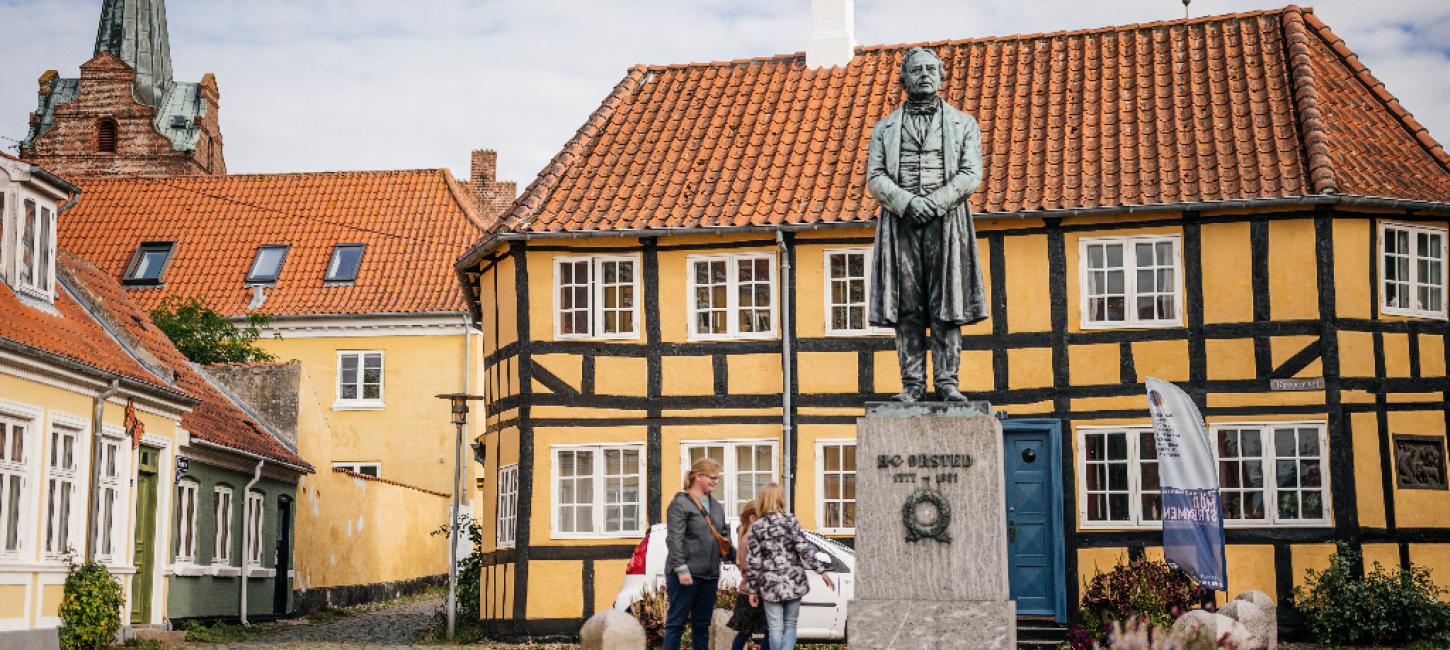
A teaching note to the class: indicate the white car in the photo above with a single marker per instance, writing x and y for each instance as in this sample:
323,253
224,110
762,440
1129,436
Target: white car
823,610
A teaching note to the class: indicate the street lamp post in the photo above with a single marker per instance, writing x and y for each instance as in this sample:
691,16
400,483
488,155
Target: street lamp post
458,403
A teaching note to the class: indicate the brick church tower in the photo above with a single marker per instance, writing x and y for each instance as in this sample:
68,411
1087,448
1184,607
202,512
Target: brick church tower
125,115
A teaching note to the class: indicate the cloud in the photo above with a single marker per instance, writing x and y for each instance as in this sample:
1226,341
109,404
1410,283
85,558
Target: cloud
374,84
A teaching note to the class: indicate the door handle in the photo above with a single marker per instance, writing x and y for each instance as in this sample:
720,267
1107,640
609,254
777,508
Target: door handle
1011,531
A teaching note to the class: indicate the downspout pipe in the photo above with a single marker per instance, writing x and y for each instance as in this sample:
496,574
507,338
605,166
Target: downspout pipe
256,476
787,426
98,412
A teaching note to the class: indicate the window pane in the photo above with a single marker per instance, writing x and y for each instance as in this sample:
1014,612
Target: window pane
346,260
268,264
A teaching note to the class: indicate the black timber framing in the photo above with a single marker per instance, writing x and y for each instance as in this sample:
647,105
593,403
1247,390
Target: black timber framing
513,411
525,433
654,383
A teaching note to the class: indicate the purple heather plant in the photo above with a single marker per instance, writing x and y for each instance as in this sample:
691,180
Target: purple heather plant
1143,592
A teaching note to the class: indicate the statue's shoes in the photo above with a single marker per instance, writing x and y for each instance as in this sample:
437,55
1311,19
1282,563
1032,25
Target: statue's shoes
950,394
909,395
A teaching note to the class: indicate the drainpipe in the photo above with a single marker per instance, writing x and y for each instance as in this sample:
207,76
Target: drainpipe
98,411
256,476
786,334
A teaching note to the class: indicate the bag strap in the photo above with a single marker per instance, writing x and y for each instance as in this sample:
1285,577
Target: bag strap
711,524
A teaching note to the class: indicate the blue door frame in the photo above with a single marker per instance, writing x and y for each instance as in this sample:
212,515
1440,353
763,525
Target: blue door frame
1051,432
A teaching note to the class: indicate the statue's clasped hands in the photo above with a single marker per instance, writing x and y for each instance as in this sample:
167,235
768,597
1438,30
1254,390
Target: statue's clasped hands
922,210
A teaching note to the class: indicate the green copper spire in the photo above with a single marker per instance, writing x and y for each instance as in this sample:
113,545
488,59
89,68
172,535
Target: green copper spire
135,31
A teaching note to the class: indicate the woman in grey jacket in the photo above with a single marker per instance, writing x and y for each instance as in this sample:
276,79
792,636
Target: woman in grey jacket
777,555
696,547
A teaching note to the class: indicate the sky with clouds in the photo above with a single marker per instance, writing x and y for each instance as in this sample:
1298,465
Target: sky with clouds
311,85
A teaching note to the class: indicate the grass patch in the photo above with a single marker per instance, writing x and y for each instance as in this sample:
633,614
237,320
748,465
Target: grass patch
219,633
145,644
328,615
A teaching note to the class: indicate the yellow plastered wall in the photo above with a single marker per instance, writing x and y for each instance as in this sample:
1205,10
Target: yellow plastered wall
1436,558
497,595
50,596
827,372
555,589
362,532
1351,269
807,495
1369,491
693,375
1250,567
1092,561
1386,555
608,578
1432,355
12,601
1024,259
1230,359
1228,273
1356,354
1090,365
1309,556
411,436
1292,281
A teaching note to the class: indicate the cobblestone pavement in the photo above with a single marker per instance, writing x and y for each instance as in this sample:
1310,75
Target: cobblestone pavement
389,626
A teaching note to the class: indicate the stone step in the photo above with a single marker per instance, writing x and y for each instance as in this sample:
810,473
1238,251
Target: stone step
1039,633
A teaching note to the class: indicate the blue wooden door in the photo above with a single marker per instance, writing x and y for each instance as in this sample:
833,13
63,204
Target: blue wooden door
1034,518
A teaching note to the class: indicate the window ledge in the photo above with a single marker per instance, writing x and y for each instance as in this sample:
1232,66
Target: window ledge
357,405
630,535
188,569
597,337
706,338
1410,313
223,571
261,572
1158,325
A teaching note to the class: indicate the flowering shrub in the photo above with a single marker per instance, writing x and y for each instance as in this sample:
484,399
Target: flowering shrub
651,610
1149,591
90,608
1380,607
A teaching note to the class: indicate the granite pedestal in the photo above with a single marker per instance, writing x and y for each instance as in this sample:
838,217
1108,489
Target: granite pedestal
931,536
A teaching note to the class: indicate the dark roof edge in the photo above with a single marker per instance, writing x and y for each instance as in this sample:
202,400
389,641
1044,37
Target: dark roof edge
241,452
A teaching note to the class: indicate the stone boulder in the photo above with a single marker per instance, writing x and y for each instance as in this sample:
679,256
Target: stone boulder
721,636
611,629
1265,626
1208,630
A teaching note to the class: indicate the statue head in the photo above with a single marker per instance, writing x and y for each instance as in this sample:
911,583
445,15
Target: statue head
921,73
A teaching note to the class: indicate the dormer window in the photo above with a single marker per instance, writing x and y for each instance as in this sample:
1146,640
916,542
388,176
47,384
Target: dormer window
149,262
106,136
268,264
36,247
346,258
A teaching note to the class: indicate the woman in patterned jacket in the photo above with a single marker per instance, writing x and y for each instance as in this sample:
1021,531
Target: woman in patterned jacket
777,557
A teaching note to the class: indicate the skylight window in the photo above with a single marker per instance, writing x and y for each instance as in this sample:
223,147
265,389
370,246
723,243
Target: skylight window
346,258
268,264
149,262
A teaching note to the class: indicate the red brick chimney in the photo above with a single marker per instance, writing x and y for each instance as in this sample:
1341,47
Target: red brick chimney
492,196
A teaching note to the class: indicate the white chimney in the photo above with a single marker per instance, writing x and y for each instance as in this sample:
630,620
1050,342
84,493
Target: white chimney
833,33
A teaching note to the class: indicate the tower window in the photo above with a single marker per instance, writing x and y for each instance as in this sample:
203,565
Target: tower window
106,136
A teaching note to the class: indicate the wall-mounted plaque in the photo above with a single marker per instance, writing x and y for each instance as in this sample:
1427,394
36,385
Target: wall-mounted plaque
1420,462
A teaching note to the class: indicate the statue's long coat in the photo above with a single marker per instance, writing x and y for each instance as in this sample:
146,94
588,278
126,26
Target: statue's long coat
959,278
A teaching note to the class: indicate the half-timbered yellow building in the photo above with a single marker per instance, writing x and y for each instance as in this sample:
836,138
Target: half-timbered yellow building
1233,204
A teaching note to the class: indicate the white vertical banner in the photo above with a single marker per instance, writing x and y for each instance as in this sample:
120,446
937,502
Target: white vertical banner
1188,475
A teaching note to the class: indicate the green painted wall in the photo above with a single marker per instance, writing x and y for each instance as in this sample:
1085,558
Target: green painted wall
211,596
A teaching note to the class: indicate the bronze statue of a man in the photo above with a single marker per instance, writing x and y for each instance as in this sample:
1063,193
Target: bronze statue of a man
925,160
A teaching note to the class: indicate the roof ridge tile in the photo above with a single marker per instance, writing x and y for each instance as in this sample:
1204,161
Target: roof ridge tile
1306,102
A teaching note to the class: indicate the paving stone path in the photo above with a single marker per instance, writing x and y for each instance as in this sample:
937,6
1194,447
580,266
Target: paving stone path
389,626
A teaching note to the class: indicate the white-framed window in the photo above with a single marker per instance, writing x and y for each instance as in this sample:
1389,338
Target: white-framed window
508,505
63,487
221,508
746,466
836,486
111,518
1118,478
731,296
1413,270
253,531
848,292
598,490
374,470
16,443
1131,281
596,297
35,243
359,379
186,492
1273,473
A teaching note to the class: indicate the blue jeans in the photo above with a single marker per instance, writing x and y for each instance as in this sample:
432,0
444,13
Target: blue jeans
695,604
781,619
742,638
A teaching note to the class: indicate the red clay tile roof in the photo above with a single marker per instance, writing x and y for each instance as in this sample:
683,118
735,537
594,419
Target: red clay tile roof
216,419
414,223
1266,104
